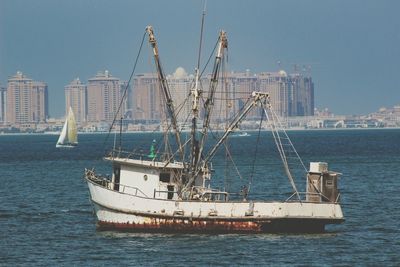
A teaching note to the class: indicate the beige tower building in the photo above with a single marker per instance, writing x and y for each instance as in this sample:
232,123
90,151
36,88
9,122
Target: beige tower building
224,102
180,84
75,97
303,95
242,85
127,102
27,100
146,97
3,104
278,86
291,95
103,98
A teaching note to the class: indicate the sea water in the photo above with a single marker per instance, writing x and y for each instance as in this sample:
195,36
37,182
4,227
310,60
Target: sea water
46,217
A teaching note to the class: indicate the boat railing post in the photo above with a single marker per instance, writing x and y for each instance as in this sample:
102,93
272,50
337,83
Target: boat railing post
337,198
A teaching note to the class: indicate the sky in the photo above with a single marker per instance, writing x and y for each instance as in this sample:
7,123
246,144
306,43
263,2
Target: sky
352,46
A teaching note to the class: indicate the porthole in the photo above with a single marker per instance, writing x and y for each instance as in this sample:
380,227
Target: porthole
145,177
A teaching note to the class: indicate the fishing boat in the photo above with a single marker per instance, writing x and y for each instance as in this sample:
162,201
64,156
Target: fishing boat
171,190
69,135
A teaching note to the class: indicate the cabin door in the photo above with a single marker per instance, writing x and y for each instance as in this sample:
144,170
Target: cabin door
170,191
117,175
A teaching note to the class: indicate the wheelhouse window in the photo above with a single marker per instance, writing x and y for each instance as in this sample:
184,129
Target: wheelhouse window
165,177
329,183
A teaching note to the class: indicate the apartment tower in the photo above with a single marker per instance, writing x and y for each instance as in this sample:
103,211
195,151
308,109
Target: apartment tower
103,98
27,100
75,97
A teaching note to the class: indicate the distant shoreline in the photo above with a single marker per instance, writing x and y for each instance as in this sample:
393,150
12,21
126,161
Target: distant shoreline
250,130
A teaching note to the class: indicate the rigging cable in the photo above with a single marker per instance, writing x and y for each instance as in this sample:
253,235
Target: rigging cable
255,153
209,59
275,132
126,89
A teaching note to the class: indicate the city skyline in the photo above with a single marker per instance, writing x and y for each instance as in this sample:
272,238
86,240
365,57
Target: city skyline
98,99
24,103
351,46
291,94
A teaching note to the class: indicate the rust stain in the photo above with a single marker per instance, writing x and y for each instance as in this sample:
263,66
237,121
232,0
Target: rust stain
216,225
185,225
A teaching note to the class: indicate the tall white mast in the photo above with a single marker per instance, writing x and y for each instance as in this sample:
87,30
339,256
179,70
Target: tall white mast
166,92
195,93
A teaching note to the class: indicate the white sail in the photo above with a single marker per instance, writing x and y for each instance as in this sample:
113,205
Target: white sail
69,134
72,131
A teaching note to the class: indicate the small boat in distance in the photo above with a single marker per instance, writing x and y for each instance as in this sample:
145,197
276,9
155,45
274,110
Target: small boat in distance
240,134
69,135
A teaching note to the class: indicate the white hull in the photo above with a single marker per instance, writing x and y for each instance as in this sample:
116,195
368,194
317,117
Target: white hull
66,145
118,210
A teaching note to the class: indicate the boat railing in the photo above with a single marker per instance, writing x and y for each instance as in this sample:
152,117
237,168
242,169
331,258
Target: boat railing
162,192
137,190
207,194
98,179
138,155
322,197
107,183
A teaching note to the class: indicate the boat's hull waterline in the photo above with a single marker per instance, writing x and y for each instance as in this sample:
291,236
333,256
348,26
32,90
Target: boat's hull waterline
72,145
125,212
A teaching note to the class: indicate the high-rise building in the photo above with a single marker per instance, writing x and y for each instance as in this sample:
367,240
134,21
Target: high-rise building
242,85
303,95
27,100
278,86
103,98
290,95
3,104
226,99
126,93
180,84
75,97
146,97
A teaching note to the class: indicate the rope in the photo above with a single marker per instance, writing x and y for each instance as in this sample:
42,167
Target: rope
208,61
126,89
255,152
278,142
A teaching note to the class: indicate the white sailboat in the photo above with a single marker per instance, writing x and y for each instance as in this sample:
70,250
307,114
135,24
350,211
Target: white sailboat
69,134
172,191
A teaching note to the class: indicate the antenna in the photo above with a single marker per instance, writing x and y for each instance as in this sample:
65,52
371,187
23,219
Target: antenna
195,95
295,67
201,33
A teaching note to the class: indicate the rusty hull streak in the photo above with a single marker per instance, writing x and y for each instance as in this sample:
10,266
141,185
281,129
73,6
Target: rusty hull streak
185,225
181,225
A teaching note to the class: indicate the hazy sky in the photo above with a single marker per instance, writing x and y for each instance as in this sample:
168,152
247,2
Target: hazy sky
353,46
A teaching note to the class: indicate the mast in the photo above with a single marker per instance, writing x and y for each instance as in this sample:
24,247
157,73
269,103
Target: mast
166,92
195,92
222,45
